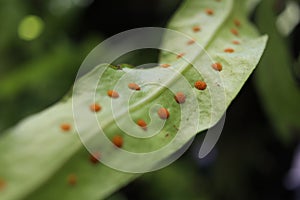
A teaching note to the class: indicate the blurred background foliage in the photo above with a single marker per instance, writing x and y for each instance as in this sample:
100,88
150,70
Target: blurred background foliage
42,44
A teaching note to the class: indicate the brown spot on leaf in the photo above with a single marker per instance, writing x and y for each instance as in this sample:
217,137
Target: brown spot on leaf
191,41
118,141
209,11
196,29
237,22
72,179
134,86
234,32
180,55
228,50
95,157
236,42
180,97
113,94
95,107
165,65
163,113
142,124
217,66
65,127
2,184
200,85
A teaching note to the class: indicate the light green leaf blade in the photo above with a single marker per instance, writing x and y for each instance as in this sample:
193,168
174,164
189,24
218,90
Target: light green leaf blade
38,157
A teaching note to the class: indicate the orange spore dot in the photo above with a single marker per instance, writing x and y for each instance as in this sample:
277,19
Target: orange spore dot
235,42
142,124
113,94
95,107
190,42
180,97
165,65
163,113
65,127
180,55
2,184
118,141
200,85
196,29
209,11
72,179
217,66
234,32
95,157
134,86
229,50
237,22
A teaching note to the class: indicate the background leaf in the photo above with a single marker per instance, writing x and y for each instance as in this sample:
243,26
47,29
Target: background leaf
278,90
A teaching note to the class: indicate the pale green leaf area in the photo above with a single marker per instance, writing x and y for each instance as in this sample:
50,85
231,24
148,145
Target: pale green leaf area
278,90
37,157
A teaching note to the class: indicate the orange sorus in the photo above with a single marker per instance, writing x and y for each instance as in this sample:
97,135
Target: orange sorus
2,184
118,141
165,65
196,28
229,50
112,94
235,42
180,97
142,124
180,55
134,86
95,157
95,107
209,11
234,32
72,179
200,85
65,127
163,113
237,22
191,41
217,66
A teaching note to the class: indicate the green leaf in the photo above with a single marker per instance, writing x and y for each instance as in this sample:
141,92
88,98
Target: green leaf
38,158
278,90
